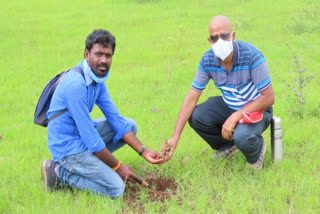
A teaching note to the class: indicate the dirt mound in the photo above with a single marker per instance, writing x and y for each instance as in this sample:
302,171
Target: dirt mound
161,189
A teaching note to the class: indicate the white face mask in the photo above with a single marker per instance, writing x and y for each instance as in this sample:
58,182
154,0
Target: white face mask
99,79
222,49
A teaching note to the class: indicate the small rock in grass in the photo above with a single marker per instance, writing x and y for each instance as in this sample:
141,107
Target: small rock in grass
154,109
185,160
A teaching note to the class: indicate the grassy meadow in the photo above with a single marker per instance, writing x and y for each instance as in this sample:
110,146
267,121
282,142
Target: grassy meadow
159,46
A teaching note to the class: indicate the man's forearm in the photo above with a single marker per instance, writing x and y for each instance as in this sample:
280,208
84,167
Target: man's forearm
184,115
106,156
185,112
132,141
262,103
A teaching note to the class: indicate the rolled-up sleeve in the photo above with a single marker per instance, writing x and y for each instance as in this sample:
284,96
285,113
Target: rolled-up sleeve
119,124
75,98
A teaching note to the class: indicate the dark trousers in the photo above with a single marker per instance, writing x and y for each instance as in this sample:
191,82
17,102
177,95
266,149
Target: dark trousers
208,118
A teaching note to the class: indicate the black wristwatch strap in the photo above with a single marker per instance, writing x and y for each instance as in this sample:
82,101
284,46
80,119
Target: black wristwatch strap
142,150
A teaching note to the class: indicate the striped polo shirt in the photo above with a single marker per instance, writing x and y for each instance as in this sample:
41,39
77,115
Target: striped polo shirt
249,75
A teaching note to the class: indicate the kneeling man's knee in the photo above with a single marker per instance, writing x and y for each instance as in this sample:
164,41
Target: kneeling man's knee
118,189
244,141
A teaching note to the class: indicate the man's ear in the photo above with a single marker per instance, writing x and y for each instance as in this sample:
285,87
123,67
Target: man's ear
233,36
86,54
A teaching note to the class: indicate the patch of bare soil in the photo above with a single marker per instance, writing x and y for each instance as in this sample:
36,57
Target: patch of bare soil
161,189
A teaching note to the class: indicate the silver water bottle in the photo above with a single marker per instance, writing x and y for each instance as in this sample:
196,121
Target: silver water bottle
276,139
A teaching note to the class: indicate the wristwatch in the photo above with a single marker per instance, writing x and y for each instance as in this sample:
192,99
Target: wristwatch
142,150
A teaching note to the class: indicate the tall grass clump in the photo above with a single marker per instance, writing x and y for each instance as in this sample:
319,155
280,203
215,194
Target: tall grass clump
306,20
299,84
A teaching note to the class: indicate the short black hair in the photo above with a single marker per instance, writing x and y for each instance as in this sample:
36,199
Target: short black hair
102,37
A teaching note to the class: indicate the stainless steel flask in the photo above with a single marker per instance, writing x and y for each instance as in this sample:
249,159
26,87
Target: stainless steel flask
276,139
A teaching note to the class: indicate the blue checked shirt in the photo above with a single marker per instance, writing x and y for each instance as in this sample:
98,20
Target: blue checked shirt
74,131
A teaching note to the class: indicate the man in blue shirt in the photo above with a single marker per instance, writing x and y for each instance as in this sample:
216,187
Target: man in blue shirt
239,70
82,148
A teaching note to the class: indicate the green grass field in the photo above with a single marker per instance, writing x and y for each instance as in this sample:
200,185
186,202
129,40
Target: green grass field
159,45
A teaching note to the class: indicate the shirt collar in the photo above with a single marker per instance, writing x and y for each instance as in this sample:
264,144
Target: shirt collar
236,55
86,71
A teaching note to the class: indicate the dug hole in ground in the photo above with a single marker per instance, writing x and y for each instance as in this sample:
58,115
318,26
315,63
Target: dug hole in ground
161,189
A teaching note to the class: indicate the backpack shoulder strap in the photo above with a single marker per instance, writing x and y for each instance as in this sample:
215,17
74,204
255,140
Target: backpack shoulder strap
57,115
55,85
76,68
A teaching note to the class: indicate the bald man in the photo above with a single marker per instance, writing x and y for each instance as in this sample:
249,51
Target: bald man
240,71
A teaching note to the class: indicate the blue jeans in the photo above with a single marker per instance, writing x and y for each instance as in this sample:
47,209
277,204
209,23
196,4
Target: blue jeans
208,118
87,172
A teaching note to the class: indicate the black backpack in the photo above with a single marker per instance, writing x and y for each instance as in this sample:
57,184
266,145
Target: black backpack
40,117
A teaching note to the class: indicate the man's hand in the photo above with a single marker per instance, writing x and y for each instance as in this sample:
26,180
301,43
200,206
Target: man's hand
153,157
126,173
230,124
168,148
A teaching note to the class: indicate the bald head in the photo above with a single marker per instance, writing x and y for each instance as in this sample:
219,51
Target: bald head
219,24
